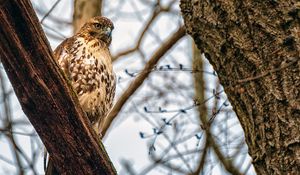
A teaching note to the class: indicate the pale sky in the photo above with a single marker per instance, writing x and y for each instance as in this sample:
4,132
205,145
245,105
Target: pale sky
123,141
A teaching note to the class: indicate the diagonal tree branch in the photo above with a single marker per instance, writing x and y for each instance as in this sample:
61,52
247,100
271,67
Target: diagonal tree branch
45,97
155,14
143,75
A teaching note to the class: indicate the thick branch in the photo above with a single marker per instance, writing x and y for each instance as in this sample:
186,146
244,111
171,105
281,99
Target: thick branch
50,105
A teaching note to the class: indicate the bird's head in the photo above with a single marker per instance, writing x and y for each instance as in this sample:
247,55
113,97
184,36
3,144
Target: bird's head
99,27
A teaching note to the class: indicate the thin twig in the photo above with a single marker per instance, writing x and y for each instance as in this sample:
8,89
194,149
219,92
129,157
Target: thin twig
146,28
7,113
227,163
51,9
203,158
60,35
140,79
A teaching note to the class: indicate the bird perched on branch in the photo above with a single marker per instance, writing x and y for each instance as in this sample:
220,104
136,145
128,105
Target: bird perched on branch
86,61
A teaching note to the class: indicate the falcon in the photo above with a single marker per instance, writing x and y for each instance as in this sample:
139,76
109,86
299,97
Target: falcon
86,61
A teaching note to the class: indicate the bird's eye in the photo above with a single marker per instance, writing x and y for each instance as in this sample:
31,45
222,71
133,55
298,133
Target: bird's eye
97,25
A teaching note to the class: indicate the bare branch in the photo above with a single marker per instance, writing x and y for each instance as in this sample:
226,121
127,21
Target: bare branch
51,9
143,75
158,9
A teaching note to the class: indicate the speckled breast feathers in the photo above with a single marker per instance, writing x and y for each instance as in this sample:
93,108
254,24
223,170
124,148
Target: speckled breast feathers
86,61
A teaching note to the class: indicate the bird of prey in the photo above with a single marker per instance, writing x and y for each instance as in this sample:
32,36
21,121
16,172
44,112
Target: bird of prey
86,61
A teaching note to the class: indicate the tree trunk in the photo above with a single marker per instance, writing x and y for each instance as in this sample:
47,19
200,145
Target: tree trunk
84,10
254,46
44,94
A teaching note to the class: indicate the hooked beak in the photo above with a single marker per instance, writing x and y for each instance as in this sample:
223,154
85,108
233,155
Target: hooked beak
108,31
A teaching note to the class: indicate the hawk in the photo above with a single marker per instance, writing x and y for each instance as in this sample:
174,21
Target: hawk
86,61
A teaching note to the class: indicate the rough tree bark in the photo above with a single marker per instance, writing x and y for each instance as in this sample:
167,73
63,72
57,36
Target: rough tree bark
44,94
84,10
254,47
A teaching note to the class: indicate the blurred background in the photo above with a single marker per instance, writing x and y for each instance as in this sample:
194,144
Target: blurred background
162,128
